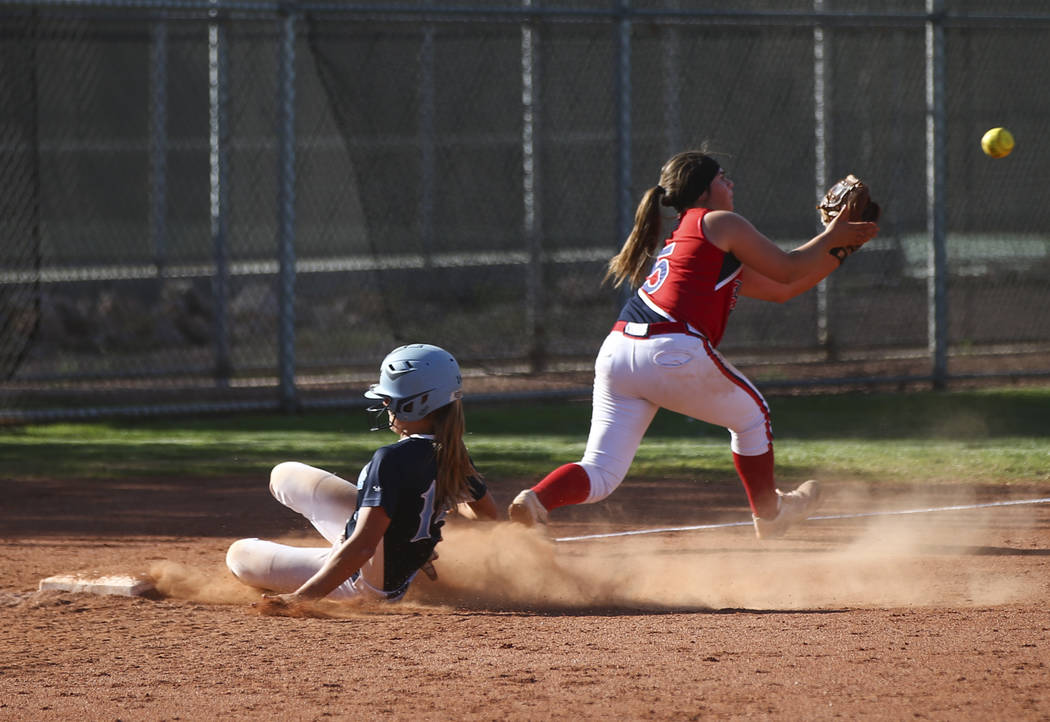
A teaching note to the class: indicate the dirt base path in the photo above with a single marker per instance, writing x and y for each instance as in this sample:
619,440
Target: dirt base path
935,614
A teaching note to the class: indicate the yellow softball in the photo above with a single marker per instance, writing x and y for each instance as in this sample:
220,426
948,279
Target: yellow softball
997,142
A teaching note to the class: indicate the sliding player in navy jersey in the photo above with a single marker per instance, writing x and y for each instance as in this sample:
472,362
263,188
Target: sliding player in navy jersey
383,530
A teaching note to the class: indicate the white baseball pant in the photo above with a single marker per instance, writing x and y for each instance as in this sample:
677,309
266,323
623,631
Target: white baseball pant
634,377
327,501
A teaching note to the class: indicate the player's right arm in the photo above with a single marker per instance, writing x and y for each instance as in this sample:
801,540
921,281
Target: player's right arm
734,234
754,285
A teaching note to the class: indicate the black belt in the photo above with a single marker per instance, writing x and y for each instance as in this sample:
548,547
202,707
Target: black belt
636,329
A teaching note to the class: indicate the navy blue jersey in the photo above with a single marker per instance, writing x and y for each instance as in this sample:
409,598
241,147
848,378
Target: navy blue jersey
636,310
402,478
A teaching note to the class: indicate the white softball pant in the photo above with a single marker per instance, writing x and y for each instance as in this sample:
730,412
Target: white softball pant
327,501
634,377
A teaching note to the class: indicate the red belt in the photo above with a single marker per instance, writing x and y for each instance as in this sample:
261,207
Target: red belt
645,330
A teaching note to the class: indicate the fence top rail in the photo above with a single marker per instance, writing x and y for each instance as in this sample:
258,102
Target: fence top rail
526,12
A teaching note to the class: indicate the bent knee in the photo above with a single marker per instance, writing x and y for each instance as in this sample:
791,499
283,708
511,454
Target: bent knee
603,482
751,440
283,474
239,557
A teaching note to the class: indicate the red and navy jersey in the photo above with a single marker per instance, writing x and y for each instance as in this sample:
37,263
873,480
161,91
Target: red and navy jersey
691,281
402,478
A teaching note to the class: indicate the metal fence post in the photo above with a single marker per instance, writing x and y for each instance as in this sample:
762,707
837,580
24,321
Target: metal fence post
671,64
533,224
286,212
218,159
625,215
428,171
822,144
937,281
159,145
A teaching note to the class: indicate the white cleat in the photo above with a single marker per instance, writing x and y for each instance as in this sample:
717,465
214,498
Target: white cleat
527,509
795,506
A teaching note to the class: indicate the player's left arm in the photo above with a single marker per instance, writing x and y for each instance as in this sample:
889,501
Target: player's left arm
481,505
372,523
483,508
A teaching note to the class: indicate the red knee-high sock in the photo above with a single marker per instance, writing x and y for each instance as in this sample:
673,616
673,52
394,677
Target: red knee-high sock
757,474
565,485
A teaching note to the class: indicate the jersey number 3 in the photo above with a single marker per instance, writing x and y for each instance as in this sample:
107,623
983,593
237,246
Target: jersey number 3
661,267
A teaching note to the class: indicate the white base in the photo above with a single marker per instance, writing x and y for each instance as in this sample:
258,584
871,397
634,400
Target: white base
123,585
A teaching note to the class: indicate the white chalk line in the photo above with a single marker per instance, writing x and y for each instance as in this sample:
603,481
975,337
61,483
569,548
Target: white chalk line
726,525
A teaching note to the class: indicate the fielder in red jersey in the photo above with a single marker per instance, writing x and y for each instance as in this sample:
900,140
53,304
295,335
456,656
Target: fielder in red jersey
661,352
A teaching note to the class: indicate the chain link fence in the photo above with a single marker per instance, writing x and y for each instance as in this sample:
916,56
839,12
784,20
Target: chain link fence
228,205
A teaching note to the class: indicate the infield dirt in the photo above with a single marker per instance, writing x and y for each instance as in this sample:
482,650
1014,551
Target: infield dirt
937,615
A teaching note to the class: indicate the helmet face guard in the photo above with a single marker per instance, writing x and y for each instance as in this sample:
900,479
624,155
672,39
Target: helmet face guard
413,381
380,418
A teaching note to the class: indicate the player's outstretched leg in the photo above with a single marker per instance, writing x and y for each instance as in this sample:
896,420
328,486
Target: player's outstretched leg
794,506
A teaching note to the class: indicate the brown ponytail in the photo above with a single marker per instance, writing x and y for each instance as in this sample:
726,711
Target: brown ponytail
453,462
683,179
633,261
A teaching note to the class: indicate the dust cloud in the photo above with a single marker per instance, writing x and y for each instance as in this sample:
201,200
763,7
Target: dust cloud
919,559
900,559
211,586
218,586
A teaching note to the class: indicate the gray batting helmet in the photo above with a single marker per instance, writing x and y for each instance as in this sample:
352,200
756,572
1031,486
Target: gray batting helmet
416,379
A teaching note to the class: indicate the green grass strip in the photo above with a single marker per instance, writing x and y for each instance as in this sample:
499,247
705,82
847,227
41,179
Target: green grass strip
988,436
